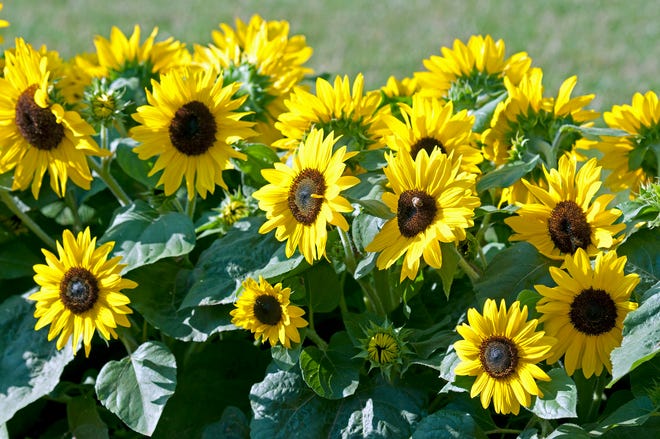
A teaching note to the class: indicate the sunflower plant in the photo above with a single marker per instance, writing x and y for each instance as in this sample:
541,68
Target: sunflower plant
244,249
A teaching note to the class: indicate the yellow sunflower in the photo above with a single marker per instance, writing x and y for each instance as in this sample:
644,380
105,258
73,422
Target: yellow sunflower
190,124
470,72
632,160
81,291
37,135
585,311
302,200
433,202
428,124
502,349
266,311
566,216
346,111
526,124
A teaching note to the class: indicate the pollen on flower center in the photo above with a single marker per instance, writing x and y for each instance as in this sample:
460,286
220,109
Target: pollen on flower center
427,144
568,227
498,356
79,290
267,309
593,312
415,212
37,125
306,196
193,129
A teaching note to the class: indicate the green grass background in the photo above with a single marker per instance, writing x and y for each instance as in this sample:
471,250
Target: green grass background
613,46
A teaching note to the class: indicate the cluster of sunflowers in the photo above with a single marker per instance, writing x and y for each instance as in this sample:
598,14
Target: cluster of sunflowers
362,207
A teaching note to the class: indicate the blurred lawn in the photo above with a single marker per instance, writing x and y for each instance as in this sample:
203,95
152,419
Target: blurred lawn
611,45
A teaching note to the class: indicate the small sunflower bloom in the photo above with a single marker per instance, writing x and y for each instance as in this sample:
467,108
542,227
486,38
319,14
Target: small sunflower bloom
433,202
300,201
265,310
191,123
586,309
502,349
385,347
80,291
566,216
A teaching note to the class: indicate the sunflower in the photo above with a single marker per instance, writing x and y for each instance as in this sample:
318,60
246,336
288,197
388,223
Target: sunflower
433,202
265,60
428,124
266,311
585,311
81,291
567,216
301,201
37,135
190,124
470,74
501,348
632,160
348,112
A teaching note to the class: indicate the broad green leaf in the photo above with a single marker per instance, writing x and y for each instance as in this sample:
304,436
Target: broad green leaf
143,236
507,174
232,425
594,133
483,115
641,249
137,387
370,187
514,269
133,165
454,383
258,157
30,365
559,397
17,260
529,298
372,159
334,373
633,413
449,266
446,424
285,358
322,286
162,287
641,337
569,431
363,230
84,420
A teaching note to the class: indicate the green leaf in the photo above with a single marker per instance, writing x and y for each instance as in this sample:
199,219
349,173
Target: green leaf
641,337
285,358
322,286
506,175
30,365
232,425
17,260
632,414
514,269
449,266
484,114
221,269
569,431
641,249
84,419
332,374
363,230
446,424
258,157
133,165
143,236
529,298
137,387
559,397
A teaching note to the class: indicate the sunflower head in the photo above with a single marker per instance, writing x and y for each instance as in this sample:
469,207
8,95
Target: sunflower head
105,103
502,349
80,291
586,309
385,347
265,310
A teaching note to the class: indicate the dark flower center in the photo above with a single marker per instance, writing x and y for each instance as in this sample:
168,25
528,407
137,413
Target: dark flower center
415,212
303,203
498,356
193,129
427,144
37,125
79,290
267,310
568,227
593,312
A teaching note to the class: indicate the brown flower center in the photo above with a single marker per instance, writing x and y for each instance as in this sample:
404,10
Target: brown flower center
267,310
568,227
415,212
193,129
79,290
498,356
427,144
593,312
306,196
37,125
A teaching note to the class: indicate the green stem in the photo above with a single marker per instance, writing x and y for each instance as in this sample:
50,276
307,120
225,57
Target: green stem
312,335
190,206
73,205
25,219
465,265
596,397
503,431
109,180
349,254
